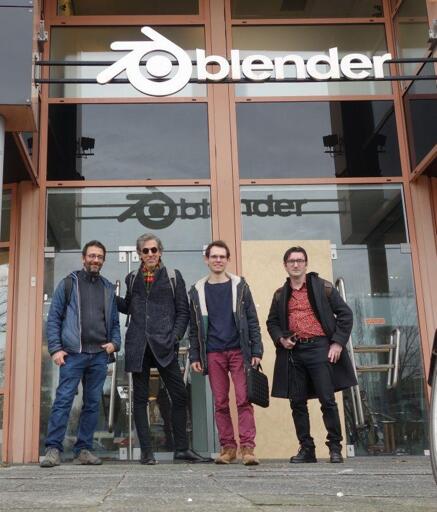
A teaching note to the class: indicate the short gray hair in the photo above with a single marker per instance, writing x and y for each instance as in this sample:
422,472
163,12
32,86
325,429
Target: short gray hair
145,238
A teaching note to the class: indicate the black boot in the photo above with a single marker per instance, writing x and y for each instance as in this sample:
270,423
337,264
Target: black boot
335,456
147,458
189,456
304,455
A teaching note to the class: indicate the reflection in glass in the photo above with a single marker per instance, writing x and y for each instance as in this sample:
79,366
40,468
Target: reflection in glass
421,115
94,44
316,139
146,141
133,7
367,226
5,231
304,9
180,216
4,273
411,27
306,41
1,426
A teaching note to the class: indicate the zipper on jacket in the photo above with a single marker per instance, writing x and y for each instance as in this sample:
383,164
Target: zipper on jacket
238,312
78,315
200,338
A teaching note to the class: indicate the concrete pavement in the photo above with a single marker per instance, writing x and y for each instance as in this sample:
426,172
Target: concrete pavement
367,484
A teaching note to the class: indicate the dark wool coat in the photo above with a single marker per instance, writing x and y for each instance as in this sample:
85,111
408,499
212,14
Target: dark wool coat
159,318
336,319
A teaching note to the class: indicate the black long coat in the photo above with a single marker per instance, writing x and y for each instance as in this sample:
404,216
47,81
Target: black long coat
158,318
336,319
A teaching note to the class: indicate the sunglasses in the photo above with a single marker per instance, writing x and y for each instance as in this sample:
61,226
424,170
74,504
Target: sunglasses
146,250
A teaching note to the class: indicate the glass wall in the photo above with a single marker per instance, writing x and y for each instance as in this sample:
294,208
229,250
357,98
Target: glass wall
5,240
306,41
117,216
317,139
133,7
128,141
365,226
94,44
421,114
411,27
302,9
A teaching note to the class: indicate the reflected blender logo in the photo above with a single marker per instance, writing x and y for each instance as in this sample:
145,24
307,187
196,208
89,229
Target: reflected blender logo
161,57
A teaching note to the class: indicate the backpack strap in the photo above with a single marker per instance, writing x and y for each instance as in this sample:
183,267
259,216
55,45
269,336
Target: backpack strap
172,278
130,283
68,288
131,280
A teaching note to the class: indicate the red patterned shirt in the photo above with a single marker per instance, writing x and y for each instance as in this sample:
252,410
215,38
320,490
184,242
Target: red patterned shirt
301,318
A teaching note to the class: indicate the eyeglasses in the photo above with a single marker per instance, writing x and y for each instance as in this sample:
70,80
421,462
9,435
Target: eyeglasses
146,250
296,262
95,257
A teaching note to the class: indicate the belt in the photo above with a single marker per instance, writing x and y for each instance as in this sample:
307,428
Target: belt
306,341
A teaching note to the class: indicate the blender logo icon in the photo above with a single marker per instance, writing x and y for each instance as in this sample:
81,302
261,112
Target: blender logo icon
158,66
256,68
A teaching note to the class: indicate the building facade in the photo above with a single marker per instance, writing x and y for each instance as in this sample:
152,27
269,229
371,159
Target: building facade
346,167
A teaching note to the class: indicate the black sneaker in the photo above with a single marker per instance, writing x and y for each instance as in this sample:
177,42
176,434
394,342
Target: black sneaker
148,458
304,455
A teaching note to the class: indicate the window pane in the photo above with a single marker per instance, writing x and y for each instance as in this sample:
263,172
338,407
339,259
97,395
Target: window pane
4,273
421,113
1,426
279,41
180,216
137,141
317,139
306,9
94,44
367,226
6,216
132,7
411,27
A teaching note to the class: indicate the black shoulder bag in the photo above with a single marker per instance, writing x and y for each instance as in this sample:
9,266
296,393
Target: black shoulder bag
257,386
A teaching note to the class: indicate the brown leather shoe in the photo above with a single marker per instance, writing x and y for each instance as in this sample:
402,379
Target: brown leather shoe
227,455
248,457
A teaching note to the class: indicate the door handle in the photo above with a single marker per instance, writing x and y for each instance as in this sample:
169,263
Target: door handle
113,377
393,361
357,403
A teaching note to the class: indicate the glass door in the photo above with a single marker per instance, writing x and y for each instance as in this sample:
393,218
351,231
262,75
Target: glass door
181,218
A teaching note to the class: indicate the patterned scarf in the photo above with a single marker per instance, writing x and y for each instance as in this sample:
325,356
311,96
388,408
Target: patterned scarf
149,276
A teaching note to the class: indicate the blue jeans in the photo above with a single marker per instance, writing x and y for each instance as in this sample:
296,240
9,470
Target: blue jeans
91,370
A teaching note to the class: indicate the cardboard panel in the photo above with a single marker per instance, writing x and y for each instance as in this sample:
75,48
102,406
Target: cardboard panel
264,271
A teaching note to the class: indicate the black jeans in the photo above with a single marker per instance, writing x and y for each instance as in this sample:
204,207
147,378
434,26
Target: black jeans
171,375
311,371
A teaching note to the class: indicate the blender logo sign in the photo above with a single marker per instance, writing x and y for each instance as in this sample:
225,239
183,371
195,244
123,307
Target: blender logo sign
256,68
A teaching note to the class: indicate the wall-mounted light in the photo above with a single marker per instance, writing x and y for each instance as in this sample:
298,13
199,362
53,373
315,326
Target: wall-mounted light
85,146
334,144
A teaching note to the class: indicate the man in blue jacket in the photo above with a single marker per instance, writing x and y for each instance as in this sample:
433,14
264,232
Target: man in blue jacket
82,332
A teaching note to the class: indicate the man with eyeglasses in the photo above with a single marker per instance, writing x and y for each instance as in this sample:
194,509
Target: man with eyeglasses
225,339
157,305
82,333
310,325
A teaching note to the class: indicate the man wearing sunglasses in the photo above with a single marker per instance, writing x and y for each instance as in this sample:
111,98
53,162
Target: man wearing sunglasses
310,325
157,305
